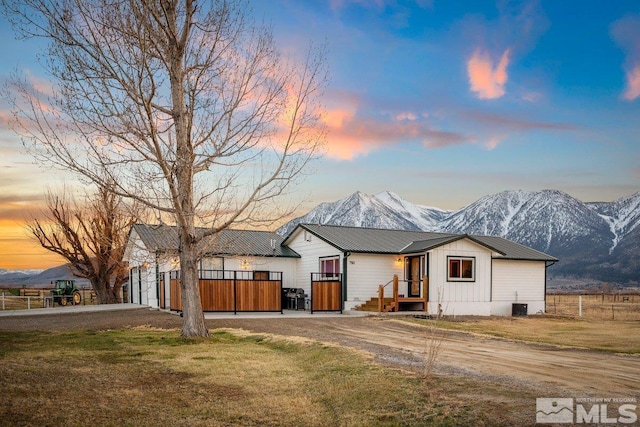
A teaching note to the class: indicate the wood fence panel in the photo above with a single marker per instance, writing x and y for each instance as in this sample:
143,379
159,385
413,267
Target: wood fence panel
216,295
258,295
326,295
175,299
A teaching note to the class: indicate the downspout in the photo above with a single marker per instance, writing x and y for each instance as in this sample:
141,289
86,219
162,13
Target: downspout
546,265
345,262
157,281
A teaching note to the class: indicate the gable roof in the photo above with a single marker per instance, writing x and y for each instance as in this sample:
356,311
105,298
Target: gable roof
164,238
382,241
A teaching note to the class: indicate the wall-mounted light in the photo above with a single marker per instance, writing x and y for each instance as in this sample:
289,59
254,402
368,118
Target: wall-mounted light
399,261
245,264
145,265
175,262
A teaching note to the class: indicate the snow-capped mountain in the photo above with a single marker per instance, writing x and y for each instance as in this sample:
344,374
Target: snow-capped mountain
360,210
597,240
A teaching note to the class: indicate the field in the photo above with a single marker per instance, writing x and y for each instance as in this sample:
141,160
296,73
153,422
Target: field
145,376
130,367
23,299
616,306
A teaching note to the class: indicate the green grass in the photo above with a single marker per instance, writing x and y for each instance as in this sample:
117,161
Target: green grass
144,376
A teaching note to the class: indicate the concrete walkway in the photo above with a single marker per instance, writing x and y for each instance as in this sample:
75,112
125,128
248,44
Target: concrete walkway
70,309
208,315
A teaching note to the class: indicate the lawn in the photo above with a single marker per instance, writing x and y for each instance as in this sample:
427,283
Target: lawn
151,377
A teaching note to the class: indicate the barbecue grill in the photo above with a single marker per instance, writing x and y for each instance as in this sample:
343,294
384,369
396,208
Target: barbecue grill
293,298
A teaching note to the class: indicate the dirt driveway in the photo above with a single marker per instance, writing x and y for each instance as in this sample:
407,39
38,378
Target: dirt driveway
552,370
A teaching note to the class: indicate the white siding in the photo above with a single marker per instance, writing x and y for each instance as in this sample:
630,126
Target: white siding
460,298
285,265
518,282
365,272
311,248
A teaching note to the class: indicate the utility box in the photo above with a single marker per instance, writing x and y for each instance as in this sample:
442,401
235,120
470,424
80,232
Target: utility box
519,309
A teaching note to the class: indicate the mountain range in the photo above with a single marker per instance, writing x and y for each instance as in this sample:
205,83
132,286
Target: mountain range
595,241
38,278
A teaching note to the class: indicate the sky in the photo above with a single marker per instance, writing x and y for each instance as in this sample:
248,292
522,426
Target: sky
440,101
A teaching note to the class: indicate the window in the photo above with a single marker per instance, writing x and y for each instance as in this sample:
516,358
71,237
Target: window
330,267
461,269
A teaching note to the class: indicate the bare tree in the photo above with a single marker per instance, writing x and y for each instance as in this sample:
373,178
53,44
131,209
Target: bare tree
188,106
91,237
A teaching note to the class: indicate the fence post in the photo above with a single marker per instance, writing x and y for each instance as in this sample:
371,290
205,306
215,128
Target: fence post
28,303
580,306
3,301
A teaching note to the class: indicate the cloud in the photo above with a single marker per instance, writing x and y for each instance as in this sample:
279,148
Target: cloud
626,33
351,136
486,80
511,123
632,90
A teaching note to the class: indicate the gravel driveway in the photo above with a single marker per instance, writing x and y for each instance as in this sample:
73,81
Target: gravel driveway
399,344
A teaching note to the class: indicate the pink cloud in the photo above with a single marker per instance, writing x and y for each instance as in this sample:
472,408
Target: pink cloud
626,33
632,91
350,136
486,80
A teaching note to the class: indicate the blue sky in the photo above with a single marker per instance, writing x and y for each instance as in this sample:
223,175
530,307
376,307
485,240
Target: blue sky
442,102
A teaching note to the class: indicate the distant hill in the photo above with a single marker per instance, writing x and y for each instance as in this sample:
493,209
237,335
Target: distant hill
38,278
596,241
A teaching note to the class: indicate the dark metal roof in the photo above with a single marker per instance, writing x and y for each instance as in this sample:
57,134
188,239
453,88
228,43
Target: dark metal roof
381,241
164,238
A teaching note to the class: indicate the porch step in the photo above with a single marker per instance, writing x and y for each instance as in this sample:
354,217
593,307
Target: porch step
372,304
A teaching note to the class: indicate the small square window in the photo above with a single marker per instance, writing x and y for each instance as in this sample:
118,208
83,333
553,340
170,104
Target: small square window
461,269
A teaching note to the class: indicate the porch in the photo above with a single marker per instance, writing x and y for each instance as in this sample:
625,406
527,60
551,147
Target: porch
395,301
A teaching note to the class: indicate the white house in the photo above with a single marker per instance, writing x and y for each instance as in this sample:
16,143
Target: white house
467,275
440,273
152,253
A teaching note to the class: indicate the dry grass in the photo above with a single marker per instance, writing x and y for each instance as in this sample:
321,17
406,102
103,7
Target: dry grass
614,336
153,377
596,306
14,299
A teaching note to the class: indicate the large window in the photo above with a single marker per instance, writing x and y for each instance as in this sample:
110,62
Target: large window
329,267
461,269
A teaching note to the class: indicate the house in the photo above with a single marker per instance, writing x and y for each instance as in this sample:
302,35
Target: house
344,267
449,273
152,253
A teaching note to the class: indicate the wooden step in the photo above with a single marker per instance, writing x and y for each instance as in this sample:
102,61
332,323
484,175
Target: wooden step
372,304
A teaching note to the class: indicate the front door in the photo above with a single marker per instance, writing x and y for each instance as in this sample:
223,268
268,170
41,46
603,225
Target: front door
414,268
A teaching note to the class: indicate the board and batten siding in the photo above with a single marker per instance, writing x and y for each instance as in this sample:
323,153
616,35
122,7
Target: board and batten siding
517,282
365,272
311,248
460,298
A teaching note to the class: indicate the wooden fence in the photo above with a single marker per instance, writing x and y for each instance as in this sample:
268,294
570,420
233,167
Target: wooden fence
326,292
233,291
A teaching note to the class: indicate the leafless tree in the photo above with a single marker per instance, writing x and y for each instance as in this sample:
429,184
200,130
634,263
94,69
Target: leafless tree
91,237
188,106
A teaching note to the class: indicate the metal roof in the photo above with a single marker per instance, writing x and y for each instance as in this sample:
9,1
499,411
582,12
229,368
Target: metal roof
382,241
164,238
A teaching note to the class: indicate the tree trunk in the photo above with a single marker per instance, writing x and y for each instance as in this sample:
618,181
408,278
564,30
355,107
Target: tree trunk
193,318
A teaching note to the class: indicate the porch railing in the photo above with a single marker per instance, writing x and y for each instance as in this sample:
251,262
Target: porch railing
396,300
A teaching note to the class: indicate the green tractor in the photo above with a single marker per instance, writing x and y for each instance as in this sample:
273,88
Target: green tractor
65,292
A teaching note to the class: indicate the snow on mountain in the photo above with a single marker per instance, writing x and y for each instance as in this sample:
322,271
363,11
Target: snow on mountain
357,210
426,218
600,240
541,219
622,216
